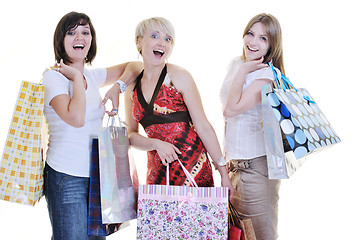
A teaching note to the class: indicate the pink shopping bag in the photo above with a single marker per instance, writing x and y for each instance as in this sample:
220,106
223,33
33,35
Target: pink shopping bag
181,212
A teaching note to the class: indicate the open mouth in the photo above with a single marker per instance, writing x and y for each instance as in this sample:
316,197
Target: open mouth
159,52
252,49
79,46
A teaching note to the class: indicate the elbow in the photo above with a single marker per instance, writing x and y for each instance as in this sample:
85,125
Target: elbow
228,113
77,122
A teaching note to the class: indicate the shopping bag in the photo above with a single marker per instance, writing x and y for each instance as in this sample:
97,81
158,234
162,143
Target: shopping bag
235,233
182,212
21,170
240,228
118,176
294,126
95,224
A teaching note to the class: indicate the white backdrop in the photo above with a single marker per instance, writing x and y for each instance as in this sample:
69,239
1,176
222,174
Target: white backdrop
321,46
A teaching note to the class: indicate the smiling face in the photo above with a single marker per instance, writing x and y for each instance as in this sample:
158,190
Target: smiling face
77,42
256,42
155,45
75,25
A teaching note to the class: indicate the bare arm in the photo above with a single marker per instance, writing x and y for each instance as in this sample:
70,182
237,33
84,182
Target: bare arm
71,110
237,101
128,73
184,83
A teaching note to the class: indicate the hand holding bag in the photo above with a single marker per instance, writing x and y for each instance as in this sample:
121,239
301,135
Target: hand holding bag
21,170
118,176
294,126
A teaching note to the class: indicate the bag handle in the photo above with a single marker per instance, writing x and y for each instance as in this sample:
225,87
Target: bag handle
115,121
188,175
285,83
234,212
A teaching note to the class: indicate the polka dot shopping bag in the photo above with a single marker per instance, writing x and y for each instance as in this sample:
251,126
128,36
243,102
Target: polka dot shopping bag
294,126
21,169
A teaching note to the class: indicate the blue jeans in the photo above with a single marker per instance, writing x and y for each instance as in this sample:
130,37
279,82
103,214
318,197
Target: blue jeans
67,200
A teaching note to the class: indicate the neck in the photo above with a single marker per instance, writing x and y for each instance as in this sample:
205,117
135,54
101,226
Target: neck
77,65
152,72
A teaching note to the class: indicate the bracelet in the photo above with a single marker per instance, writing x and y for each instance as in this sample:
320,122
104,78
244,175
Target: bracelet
122,85
221,161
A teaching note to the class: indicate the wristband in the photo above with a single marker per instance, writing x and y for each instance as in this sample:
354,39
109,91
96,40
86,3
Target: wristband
221,161
122,85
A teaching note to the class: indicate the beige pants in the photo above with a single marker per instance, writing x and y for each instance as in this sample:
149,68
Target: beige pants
256,196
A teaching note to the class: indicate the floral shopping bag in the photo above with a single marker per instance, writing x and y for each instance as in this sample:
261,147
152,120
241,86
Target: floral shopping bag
181,212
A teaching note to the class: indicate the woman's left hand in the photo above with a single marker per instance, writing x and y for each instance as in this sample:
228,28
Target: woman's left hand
112,95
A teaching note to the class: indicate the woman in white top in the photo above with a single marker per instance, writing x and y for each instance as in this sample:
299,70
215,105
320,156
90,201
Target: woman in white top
74,113
256,196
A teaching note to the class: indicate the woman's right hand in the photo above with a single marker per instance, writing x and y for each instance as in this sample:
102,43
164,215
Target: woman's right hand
167,151
251,66
69,72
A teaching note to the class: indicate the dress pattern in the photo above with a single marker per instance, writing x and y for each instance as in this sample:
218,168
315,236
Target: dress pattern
166,118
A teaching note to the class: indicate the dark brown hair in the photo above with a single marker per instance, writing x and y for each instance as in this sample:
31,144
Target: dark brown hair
66,23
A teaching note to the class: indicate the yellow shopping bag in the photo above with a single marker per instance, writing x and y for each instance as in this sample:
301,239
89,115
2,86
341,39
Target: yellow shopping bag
21,170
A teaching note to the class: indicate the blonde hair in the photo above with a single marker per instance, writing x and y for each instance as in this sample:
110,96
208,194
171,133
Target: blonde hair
273,31
151,23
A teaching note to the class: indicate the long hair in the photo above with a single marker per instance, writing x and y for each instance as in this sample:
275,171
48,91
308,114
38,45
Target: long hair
273,31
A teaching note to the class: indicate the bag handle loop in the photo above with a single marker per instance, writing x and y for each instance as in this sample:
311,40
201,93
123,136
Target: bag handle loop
188,175
115,121
285,83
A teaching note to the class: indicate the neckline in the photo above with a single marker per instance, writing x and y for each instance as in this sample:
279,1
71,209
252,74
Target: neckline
149,106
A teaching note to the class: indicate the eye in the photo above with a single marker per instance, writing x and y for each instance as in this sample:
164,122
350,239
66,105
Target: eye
154,35
263,39
70,33
168,39
250,33
86,33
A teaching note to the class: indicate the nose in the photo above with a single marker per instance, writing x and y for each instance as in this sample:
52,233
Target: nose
254,41
78,36
161,42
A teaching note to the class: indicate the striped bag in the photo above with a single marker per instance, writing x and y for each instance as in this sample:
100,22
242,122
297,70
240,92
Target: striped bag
181,212
21,170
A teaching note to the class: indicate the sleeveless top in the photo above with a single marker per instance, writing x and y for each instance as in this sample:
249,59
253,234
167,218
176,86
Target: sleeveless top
166,118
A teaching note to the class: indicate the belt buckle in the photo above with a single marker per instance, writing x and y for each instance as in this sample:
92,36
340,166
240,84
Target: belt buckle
244,164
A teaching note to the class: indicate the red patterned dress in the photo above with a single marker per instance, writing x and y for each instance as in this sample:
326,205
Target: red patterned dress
166,117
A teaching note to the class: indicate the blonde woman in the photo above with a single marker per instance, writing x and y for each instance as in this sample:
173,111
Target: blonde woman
166,101
256,196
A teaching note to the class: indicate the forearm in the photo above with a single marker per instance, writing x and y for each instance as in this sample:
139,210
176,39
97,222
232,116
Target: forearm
209,139
114,73
143,143
233,101
77,104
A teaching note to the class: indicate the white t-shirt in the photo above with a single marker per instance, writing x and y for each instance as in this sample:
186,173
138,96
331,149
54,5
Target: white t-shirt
244,135
69,147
